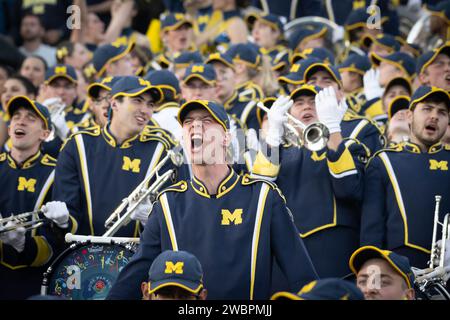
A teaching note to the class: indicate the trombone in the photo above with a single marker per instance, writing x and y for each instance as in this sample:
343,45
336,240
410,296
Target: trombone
21,221
314,136
116,220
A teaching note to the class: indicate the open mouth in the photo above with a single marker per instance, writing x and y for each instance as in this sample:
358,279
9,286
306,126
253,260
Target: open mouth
306,117
19,133
447,78
431,128
196,142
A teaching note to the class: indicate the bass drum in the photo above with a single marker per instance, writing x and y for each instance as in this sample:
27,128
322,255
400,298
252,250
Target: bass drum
86,271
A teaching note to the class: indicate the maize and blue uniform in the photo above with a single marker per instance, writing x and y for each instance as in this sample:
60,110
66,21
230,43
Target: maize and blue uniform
323,189
242,104
399,199
94,174
25,188
235,234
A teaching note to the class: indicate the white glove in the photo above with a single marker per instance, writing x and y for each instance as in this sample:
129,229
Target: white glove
57,212
16,238
329,111
58,116
142,211
372,88
277,117
251,139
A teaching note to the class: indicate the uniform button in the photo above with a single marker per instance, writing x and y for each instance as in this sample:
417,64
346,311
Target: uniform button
201,189
224,188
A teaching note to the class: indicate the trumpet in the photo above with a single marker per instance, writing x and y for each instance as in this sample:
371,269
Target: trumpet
432,278
314,136
116,220
22,221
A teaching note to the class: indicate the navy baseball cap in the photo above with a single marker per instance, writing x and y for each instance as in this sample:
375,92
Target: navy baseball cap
280,60
384,40
314,67
204,72
303,34
106,83
185,58
61,71
441,10
247,53
397,104
400,60
305,89
355,63
399,81
23,101
216,110
358,19
324,289
178,269
296,72
424,92
132,86
428,58
173,21
165,80
109,53
271,20
323,54
224,58
399,263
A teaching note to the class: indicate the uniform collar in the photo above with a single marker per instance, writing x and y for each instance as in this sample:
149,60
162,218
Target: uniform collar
414,148
230,102
28,163
224,187
108,136
243,86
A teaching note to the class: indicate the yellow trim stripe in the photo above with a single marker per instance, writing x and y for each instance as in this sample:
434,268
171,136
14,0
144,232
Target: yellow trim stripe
175,284
44,252
263,167
85,175
255,241
325,226
344,164
39,202
169,223
399,198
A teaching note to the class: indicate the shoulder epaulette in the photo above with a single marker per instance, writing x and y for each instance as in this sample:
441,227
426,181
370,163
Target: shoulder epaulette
180,186
393,148
247,180
92,131
48,160
247,95
2,156
447,147
158,134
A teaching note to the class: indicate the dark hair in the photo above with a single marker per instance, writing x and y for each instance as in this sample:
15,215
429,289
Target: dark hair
9,71
30,14
39,58
29,86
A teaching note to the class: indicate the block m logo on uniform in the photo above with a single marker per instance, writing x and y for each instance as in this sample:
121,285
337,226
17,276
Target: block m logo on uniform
174,267
438,165
131,165
26,184
228,217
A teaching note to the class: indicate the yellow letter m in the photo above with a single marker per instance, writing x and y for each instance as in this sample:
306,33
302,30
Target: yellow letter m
227,217
438,165
171,267
25,184
133,165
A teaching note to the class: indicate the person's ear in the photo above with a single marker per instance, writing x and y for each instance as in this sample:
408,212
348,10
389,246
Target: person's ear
410,294
44,135
144,290
424,78
203,294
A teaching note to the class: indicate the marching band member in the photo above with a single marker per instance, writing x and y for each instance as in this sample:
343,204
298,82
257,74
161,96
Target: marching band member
323,188
382,274
245,221
26,175
99,166
397,129
433,67
401,182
